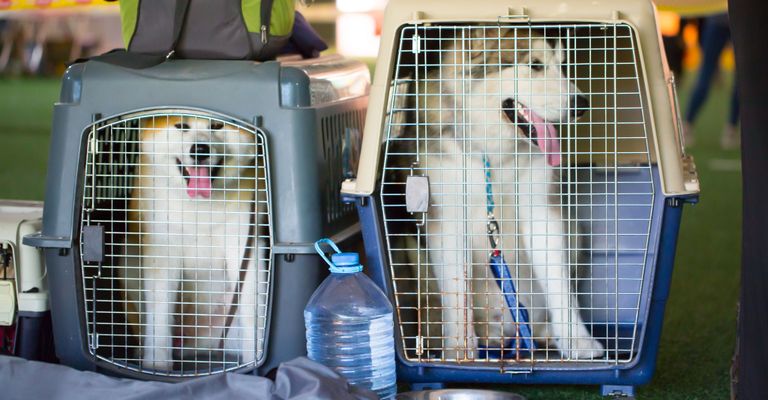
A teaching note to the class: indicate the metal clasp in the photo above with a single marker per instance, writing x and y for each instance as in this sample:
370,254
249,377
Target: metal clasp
416,43
417,194
515,14
493,231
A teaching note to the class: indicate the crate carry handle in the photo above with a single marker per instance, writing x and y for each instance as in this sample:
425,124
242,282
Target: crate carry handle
319,250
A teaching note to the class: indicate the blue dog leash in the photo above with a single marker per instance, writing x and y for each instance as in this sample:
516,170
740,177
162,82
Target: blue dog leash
501,270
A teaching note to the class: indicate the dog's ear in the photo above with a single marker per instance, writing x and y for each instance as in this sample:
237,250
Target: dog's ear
553,42
562,44
515,45
215,125
558,49
493,46
152,124
499,45
482,44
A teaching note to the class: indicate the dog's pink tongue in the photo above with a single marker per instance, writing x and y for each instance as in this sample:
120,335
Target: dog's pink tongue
546,136
199,182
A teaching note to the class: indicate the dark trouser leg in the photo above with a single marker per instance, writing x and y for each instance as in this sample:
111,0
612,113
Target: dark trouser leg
714,38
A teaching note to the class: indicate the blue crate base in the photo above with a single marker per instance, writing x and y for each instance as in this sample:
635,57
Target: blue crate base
640,368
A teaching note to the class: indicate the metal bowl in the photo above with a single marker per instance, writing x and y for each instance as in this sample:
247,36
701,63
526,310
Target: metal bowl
458,394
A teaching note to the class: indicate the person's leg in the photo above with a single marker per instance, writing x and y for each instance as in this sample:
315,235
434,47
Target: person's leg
714,39
748,23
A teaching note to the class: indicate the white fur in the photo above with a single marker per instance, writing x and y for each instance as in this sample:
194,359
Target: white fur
525,190
190,250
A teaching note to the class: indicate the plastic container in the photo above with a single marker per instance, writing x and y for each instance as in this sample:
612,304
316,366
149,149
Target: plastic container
307,116
349,325
624,177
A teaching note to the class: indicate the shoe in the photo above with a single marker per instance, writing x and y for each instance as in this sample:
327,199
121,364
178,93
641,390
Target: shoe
730,139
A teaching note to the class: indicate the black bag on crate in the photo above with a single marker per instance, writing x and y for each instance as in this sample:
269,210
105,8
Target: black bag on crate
207,29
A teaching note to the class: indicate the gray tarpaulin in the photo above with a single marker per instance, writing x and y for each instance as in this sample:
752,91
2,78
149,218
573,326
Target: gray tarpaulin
296,379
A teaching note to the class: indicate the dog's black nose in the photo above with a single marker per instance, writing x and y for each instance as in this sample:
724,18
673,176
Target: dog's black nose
579,105
200,152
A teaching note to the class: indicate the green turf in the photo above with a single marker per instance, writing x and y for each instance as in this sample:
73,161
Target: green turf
699,328
26,107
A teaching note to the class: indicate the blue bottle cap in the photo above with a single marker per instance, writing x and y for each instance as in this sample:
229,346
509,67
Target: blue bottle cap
345,259
346,263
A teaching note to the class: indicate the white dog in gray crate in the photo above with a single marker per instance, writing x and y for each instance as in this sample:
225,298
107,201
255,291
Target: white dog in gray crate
497,98
189,280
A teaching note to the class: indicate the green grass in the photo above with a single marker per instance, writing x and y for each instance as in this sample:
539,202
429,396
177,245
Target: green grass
699,326
26,109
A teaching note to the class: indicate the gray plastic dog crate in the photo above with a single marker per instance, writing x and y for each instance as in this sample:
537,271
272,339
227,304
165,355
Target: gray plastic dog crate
165,269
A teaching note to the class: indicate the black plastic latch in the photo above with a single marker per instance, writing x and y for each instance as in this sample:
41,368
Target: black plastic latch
93,243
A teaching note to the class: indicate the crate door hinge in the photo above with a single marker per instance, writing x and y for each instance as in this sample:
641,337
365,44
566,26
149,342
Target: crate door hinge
94,345
94,151
419,343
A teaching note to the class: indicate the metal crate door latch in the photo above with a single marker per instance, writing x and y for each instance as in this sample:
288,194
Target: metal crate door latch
93,252
93,244
417,194
417,201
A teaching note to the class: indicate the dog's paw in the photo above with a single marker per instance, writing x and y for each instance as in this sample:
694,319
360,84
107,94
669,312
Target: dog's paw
459,355
158,363
460,351
581,348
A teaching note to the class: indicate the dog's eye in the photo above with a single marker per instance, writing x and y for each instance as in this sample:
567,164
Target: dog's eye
537,65
216,125
182,126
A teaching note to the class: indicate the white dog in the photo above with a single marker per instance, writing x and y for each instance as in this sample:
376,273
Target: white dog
500,104
191,250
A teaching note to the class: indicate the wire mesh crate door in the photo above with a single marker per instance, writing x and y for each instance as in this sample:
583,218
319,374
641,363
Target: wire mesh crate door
541,131
183,201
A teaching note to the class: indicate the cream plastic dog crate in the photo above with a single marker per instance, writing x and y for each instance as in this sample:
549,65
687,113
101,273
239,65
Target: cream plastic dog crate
182,202
546,133
25,317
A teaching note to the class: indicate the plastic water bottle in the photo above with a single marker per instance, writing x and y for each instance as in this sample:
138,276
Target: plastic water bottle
349,325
